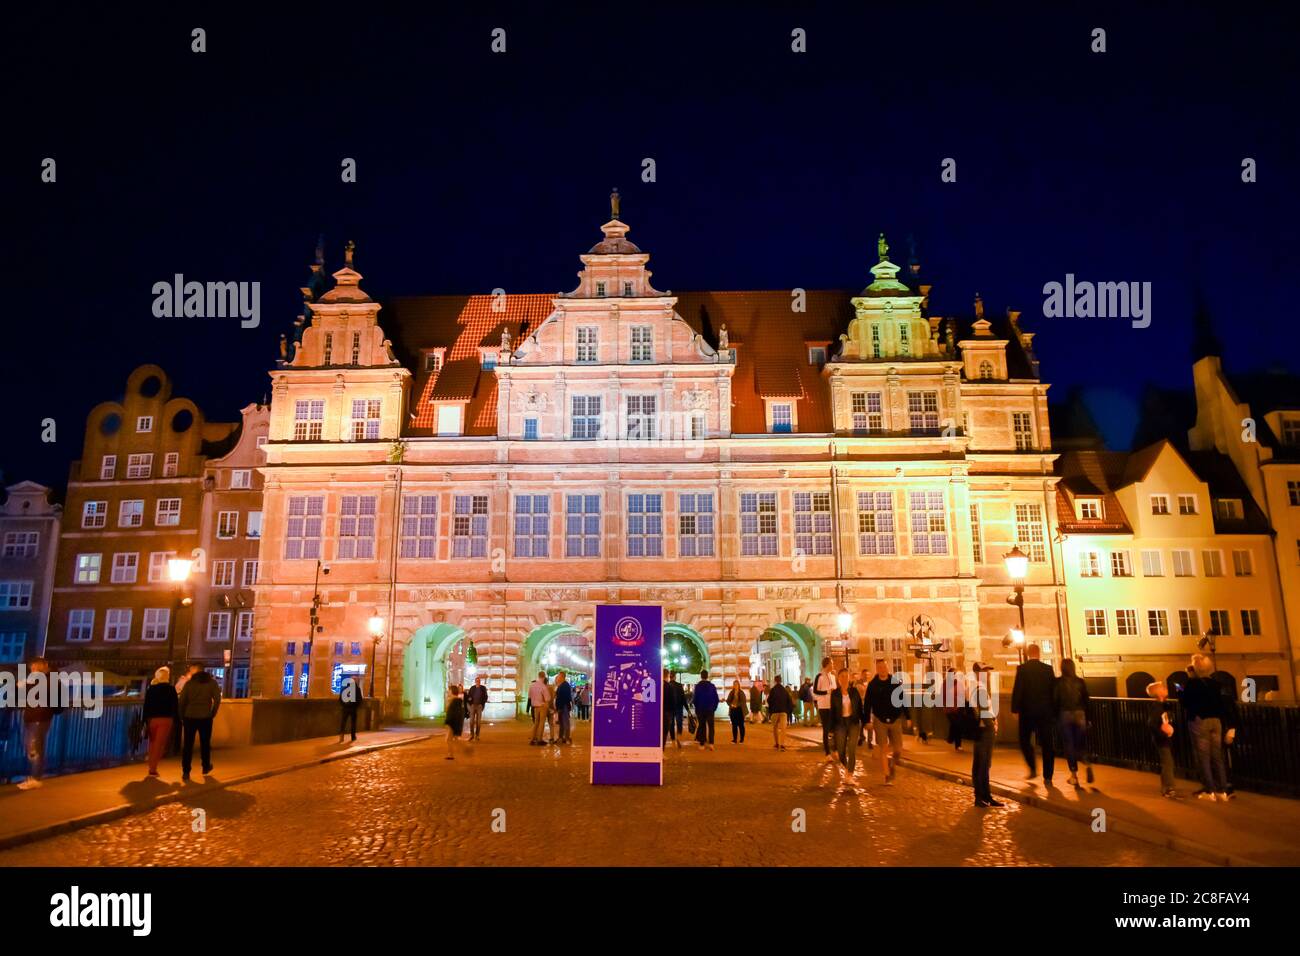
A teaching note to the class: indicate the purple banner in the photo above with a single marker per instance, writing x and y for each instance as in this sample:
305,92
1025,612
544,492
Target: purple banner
627,711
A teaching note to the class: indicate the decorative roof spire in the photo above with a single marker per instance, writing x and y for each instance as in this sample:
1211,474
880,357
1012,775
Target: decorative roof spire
882,248
613,203
348,250
979,306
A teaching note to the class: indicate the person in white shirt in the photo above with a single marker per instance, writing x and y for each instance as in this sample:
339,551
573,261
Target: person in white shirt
539,698
823,685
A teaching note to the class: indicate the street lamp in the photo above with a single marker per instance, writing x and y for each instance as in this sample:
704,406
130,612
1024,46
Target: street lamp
178,570
376,632
1017,563
845,621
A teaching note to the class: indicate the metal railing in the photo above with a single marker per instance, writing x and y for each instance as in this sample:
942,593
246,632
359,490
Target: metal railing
75,741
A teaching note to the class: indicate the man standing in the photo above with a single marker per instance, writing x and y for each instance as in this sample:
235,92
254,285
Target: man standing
563,705
884,701
350,698
780,705
539,699
476,699
1033,700
822,688
199,702
706,703
36,722
986,731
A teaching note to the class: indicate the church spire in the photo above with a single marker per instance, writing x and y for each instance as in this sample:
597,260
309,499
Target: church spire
613,203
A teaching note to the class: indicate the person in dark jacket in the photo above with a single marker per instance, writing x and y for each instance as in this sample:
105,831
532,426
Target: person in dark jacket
1034,701
454,719
350,701
887,710
198,704
161,707
1070,695
1161,725
705,700
780,709
986,731
1207,712
847,715
674,703
36,725
955,708
563,709
736,705
476,699
757,695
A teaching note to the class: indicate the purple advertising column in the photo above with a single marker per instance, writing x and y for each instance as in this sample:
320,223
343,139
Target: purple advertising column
627,712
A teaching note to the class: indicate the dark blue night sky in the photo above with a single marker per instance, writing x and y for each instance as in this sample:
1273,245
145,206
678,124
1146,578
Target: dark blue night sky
774,170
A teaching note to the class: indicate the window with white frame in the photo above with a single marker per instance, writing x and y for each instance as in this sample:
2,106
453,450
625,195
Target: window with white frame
1228,509
1250,623
158,565
302,533
419,538
167,513
357,527
488,358
986,370
1089,564
432,361
139,466
1187,504
126,565
582,526
904,340
171,464
875,340
1243,563
227,524
812,522
223,573
1183,566
117,624
130,513
929,522
1023,430
1152,565
816,355
1121,564
758,524
251,570
244,626
108,468
1189,622
94,514
642,411
645,526
87,568
532,526
329,349
923,412
218,625
782,417
12,645
600,290
699,426
154,625
587,343
241,478
1089,509
1221,622
1029,532
308,419
1126,622
356,348
1213,561
585,420
365,418
868,413
876,523
1094,622
1160,504
695,525
15,595
253,525
469,527
1158,623
642,344
976,534
144,423
21,544
81,624
530,429
627,289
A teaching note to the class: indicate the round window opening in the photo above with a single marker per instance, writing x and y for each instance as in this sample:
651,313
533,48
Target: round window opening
151,386
110,423
182,420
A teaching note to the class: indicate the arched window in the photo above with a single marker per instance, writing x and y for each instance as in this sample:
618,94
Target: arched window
986,369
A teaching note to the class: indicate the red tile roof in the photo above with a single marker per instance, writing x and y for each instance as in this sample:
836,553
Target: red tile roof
1092,474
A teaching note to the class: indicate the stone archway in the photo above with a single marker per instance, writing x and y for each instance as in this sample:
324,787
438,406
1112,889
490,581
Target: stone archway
424,669
806,641
675,630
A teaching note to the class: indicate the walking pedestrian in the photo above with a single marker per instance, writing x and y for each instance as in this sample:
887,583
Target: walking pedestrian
1071,700
807,706
476,699
674,704
584,701
455,720
780,707
847,715
1033,701
539,700
563,705
1204,707
955,708
736,711
1161,725
823,685
705,699
160,713
198,704
350,700
867,737
986,731
36,723
885,704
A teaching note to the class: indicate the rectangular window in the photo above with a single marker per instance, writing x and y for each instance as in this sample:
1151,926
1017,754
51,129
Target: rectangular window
875,340
782,418
489,359
532,526
302,531
144,423
1291,431
904,340
582,526
244,626
1089,509
419,526
1094,622
1213,561
1293,493
1189,622
158,565
600,290
1183,567
1126,622
81,624
357,527
645,526
876,523
223,574
94,514
1243,563
1023,430
241,478
699,427
329,348
929,522
1152,565
868,413
1089,564
1158,623
108,468
1160,504
87,570
627,289
977,534
253,525
812,522
167,513
469,537
695,525
1187,504
530,429
12,645
308,418
21,544
1221,623
16,595
227,524
139,466
642,344
758,528
155,623
816,355
587,343
251,570
365,418
171,464
218,625
286,682
117,624
923,412
432,361
642,411
1228,509
1250,623
586,416
126,565
356,348
1029,532
130,514
1121,564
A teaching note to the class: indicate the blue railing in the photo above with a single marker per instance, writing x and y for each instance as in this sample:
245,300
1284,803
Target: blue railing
75,741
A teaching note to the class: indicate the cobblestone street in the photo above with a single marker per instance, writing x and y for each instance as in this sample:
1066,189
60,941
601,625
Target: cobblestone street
732,806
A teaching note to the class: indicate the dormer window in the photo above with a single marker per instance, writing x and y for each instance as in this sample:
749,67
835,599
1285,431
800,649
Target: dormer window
1291,431
1229,509
433,361
489,359
1090,509
600,290
816,355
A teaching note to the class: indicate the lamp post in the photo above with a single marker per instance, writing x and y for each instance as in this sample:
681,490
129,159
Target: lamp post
178,570
313,624
376,634
845,621
1017,563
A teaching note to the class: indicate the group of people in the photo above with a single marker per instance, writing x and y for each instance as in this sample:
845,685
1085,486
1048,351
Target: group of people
193,701
551,706
868,708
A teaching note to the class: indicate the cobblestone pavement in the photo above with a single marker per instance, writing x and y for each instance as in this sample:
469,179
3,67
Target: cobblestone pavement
731,806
